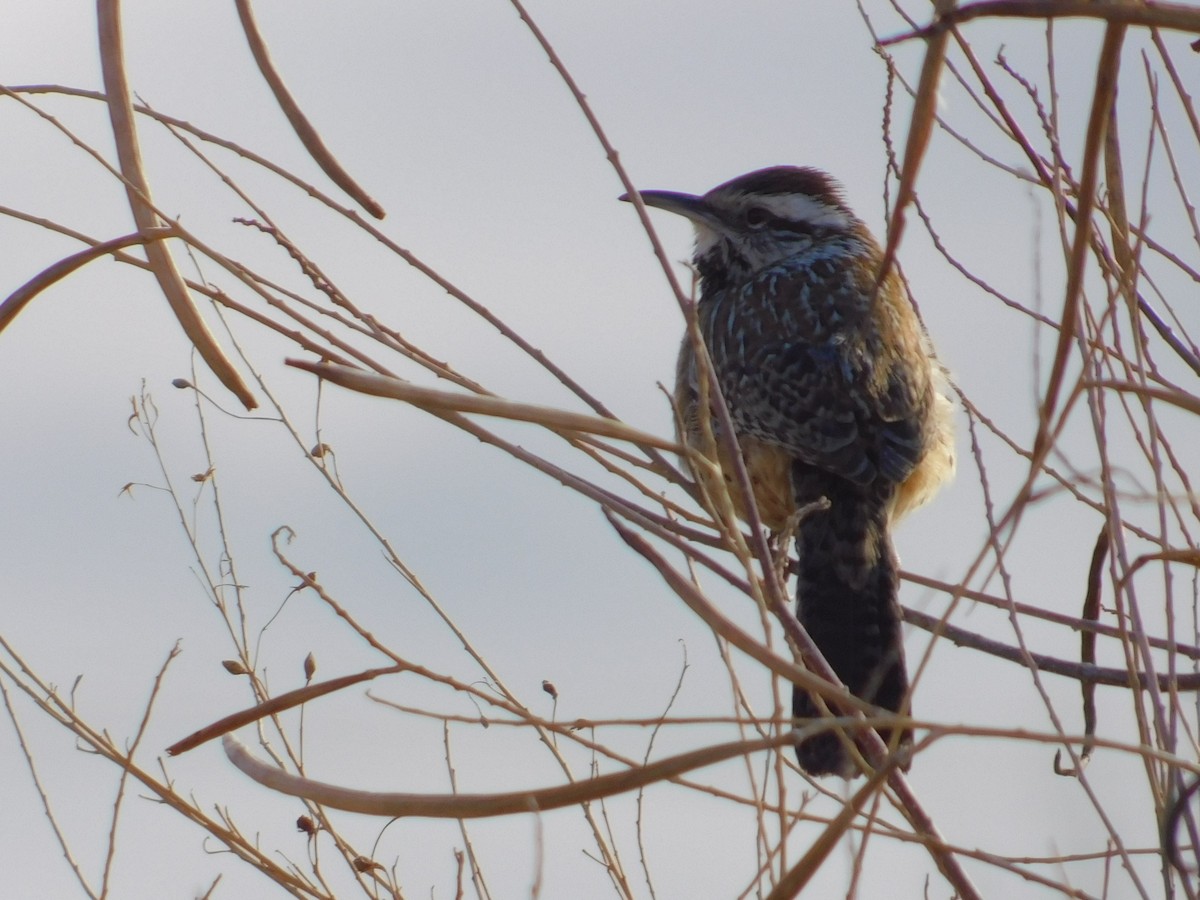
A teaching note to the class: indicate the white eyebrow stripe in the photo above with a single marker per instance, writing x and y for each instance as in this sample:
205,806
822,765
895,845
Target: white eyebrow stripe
803,208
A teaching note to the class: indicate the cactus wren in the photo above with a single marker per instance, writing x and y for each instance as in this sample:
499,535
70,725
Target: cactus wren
834,392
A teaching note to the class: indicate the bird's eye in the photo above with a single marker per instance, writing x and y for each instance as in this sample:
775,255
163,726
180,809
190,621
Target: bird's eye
757,217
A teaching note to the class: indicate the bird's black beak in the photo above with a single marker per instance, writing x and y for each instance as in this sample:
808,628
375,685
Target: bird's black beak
687,205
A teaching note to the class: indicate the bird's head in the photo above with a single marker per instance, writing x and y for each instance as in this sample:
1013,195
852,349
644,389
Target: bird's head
758,219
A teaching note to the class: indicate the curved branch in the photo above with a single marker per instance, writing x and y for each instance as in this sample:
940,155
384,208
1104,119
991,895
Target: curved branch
120,111
477,806
1151,14
304,129
19,299
275,705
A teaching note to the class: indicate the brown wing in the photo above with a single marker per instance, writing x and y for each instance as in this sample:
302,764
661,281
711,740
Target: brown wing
815,375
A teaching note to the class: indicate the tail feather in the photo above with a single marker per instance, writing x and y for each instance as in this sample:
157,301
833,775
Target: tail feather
846,598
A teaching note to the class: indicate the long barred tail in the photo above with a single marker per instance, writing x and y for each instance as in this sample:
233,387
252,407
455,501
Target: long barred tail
846,597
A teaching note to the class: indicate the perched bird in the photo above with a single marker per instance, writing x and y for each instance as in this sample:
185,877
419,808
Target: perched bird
834,392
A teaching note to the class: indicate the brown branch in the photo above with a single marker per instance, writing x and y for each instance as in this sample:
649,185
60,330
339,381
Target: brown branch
478,806
1087,640
794,881
920,130
1087,673
823,684
432,399
821,679
1102,103
300,124
20,298
1048,615
1188,402
1171,16
275,705
120,110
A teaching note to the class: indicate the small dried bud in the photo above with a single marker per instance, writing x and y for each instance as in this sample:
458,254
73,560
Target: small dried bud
365,864
307,825
201,477
549,688
310,667
181,383
235,667
319,451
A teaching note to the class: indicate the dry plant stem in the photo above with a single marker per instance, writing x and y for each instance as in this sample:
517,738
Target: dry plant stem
1102,103
1190,557
613,157
575,732
564,728
724,628
1156,14
661,525
1187,402
147,416
1045,178
300,124
894,74
660,465
1026,609
823,685
431,399
937,731
507,701
275,705
374,329
1086,673
476,806
112,64
234,615
18,299
319,281
994,542
641,794
1160,129
1048,430
1181,91
794,881
214,294
1064,481
818,677
919,131
47,699
133,746
991,733
47,810
1087,648
476,870
1129,269
227,567
685,304
612,864
1135,646
208,137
